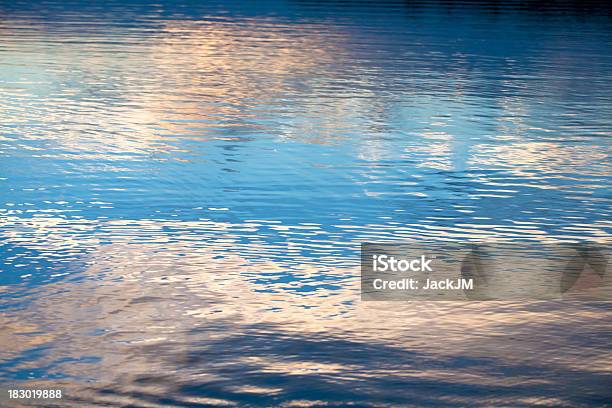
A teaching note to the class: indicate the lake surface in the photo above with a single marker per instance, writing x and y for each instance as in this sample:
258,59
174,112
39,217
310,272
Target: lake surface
184,188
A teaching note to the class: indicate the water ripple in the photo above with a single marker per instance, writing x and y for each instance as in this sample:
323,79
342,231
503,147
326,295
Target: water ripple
184,189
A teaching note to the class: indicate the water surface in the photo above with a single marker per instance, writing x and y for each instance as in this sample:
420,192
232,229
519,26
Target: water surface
184,188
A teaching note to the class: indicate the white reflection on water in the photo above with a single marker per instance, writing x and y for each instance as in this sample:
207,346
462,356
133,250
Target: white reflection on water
175,315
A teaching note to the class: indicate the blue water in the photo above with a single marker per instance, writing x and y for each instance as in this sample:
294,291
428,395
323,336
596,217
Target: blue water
184,187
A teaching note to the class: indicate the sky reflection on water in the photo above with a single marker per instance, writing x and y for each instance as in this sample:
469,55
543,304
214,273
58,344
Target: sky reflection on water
184,189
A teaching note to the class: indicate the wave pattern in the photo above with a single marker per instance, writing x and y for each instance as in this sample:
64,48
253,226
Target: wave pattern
184,188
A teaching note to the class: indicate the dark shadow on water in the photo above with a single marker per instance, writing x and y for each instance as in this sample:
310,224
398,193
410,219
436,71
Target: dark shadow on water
268,360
